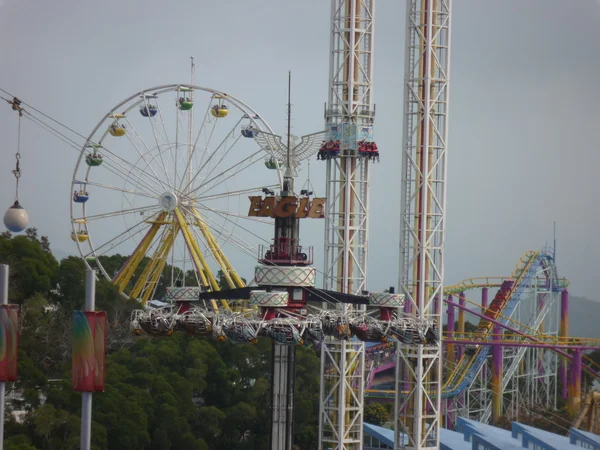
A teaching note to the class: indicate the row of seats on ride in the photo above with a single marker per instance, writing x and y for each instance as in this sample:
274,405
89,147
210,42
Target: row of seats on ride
497,305
331,149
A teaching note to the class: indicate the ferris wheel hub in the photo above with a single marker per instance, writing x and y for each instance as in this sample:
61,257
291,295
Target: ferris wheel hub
168,201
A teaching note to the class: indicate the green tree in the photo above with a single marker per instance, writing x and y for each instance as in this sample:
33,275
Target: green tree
32,269
375,414
71,283
19,442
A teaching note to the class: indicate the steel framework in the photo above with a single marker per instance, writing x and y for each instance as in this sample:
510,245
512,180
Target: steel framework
419,369
349,117
528,377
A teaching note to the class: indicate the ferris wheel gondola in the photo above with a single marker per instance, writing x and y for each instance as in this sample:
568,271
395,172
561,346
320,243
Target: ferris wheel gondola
117,128
93,157
184,100
219,109
148,107
171,193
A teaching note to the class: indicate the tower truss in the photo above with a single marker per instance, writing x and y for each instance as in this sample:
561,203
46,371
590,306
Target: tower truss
349,117
423,190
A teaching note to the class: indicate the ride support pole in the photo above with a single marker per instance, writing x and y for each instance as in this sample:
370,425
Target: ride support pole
564,332
575,382
3,301
462,301
496,376
484,307
450,347
86,397
484,300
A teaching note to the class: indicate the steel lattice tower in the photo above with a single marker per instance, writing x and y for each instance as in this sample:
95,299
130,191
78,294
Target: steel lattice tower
349,118
419,368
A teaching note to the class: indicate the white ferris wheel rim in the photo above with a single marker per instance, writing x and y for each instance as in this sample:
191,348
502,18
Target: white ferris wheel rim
133,102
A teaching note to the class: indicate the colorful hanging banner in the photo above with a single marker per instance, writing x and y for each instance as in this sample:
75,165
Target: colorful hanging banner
89,350
9,342
99,351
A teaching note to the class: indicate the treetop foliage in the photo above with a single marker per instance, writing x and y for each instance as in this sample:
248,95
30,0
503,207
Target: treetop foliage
161,393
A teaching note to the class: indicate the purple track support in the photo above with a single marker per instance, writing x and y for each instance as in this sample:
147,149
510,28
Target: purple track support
564,332
484,299
450,348
484,307
575,382
496,375
461,322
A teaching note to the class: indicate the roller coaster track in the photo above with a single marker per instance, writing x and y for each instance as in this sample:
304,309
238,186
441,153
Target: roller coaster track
525,275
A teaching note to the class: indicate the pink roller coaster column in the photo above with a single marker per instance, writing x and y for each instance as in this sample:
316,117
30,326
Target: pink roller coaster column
461,323
575,382
496,376
564,332
484,307
484,300
450,347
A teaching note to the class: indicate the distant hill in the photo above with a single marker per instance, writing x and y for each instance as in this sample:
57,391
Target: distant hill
584,317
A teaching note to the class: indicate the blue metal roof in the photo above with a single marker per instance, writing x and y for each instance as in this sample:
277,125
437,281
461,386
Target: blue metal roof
452,440
584,437
472,434
544,439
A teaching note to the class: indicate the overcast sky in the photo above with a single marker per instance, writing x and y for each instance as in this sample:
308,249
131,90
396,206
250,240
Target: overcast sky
524,116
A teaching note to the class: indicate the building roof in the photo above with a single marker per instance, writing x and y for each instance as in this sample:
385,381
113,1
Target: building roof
542,438
591,439
452,440
471,433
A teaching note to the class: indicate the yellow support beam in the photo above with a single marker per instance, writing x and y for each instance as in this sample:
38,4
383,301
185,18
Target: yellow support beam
199,260
121,280
232,277
161,253
159,265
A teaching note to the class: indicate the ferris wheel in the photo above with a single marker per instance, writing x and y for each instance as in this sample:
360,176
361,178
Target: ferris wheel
165,178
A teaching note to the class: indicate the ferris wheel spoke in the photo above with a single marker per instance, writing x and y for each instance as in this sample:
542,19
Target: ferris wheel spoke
117,240
148,150
158,149
122,212
232,238
148,165
231,214
203,163
234,193
115,188
239,167
226,217
127,174
166,136
224,155
208,137
200,131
